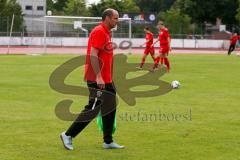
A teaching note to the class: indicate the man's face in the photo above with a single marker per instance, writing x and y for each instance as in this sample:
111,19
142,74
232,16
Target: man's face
113,20
160,24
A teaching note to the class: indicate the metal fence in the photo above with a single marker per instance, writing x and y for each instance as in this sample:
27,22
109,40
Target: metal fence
196,31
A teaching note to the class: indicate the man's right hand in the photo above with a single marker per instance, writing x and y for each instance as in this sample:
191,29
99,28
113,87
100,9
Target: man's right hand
100,82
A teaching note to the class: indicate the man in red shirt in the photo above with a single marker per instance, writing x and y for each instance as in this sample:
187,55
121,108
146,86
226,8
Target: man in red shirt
165,40
98,74
233,42
149,48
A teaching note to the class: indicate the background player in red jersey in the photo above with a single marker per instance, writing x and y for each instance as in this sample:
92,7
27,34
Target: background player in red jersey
233,42
149,47
165,40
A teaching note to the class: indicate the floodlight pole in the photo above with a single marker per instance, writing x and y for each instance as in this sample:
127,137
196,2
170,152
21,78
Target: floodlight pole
130,35
10,35
45,27
45,35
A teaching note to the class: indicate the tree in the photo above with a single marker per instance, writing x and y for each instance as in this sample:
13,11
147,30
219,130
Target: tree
176,22
50,4
237,16
208,10
11,7
76,8
155,5
2,5
60,5
57,6
120,5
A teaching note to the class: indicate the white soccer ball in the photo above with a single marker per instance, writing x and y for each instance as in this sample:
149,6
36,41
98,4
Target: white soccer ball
175,84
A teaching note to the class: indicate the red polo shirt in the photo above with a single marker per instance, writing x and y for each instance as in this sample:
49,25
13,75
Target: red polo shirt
163,37
100,38
234,40
149,38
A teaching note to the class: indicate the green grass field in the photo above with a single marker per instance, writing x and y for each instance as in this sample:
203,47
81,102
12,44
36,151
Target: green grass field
210,89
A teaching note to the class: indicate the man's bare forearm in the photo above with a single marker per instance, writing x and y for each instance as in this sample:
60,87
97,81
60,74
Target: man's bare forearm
95,61
96,67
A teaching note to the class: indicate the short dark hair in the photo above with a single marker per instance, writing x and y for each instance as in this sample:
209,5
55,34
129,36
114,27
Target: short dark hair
147,28
107,12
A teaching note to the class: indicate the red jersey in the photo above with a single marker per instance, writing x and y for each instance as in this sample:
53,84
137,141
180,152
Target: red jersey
100,38
149,39
234,40
163,37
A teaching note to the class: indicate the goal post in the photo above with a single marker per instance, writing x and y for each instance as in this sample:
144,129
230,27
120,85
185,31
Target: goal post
72,32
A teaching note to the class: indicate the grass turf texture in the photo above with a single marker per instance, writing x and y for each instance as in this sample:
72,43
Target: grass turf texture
210,88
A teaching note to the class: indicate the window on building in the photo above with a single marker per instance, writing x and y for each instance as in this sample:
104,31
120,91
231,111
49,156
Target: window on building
40,8
28,7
